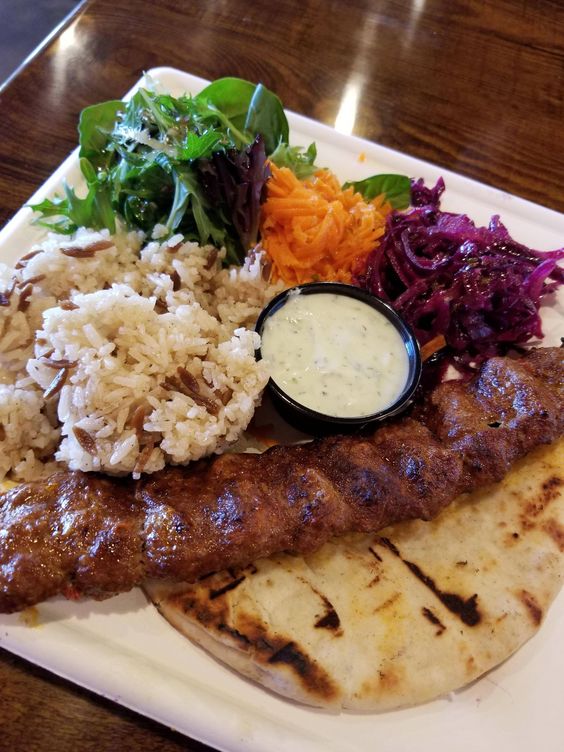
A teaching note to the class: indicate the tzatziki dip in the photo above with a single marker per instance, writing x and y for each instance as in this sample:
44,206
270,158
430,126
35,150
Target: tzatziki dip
335,354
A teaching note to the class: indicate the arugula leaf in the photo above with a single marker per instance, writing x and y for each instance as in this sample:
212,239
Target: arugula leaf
56,207
159,108
74,212
194,147
302,163
99,211
132,118
396,188
94,210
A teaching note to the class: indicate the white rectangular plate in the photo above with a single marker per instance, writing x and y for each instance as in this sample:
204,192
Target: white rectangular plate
122,649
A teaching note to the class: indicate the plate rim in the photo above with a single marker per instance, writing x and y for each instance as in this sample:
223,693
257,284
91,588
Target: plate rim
14,636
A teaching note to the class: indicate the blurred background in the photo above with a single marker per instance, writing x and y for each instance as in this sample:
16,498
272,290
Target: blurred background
23,25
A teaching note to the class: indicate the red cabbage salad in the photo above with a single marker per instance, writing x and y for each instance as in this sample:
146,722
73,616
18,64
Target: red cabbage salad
476,286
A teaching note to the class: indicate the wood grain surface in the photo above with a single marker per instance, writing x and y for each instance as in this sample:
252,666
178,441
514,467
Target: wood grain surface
475,86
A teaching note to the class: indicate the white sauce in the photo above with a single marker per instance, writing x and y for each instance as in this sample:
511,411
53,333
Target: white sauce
335,354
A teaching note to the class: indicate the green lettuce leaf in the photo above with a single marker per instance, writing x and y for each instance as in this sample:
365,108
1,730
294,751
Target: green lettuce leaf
396,188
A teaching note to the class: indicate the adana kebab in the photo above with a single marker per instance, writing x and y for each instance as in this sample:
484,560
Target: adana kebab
90,535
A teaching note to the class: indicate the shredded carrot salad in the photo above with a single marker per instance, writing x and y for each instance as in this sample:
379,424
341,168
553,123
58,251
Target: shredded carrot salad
315,230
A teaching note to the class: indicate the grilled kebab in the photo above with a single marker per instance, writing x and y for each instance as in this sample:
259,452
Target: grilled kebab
92,535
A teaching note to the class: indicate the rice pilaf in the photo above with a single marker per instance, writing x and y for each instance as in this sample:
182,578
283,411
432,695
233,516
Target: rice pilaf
122,358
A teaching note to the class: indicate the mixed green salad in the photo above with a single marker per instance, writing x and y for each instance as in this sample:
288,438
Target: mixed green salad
195,164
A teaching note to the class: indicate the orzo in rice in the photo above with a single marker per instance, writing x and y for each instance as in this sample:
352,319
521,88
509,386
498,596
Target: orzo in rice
123,357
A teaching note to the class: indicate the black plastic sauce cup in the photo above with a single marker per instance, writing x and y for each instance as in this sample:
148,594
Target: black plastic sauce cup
317,423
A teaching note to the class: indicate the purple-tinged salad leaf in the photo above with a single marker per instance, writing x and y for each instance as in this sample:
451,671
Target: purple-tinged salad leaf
476,286
233,182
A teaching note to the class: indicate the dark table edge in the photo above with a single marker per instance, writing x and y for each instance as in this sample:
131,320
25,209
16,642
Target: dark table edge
54,34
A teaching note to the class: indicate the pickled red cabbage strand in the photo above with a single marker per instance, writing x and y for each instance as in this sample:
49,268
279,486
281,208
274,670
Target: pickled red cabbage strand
476,286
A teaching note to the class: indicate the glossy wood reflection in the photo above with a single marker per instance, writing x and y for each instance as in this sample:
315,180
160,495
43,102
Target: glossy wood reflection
472,86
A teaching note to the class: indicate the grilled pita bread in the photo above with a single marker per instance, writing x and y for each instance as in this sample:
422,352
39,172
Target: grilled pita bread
378,622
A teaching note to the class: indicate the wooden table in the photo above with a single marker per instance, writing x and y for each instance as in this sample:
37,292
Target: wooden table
475,86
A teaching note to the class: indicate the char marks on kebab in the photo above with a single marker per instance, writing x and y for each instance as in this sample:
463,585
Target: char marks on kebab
87,535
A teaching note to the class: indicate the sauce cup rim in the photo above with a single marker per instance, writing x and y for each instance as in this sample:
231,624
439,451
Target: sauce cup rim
299,410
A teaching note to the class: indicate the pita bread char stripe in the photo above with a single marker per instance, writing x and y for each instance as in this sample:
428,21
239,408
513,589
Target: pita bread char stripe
466,610
533,608
314,677
375,554
430,616
329,621
104,535
556,532
230,586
